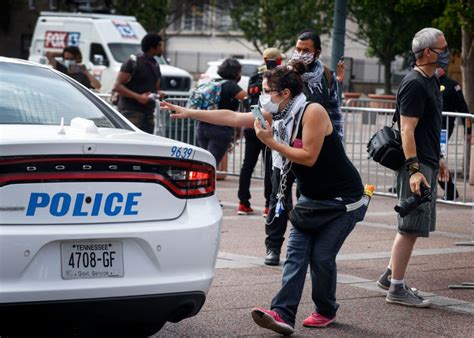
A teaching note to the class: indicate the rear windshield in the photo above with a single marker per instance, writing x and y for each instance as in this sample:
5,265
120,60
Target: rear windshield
34,95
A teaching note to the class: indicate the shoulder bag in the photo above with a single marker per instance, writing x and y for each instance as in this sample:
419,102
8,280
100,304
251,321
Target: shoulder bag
385,146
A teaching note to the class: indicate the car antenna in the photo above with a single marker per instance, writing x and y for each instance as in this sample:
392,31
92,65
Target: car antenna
62,131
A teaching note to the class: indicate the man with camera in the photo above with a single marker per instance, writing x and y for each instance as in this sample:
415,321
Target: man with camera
419,104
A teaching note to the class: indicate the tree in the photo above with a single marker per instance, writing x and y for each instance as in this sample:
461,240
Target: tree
275,23
388,26
457,23
152,14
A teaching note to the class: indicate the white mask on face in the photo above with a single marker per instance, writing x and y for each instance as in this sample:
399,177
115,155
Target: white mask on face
306,58
267,104
69,63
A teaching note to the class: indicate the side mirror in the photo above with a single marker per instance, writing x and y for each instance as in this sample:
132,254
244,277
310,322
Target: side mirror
98,60
168,60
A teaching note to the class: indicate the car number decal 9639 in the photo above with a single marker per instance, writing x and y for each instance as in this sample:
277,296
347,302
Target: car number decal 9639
181,152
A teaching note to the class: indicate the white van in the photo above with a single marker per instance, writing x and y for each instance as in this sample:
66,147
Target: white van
105,42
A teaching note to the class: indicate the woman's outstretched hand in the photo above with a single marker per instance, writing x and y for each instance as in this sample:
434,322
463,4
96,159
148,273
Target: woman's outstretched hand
178,112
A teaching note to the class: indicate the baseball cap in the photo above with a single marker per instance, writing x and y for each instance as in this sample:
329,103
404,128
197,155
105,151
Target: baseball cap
272,53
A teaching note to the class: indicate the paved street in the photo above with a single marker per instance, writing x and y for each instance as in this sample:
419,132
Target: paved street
243,281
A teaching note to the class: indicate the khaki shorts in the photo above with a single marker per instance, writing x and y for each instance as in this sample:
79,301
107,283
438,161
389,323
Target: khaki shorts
421,221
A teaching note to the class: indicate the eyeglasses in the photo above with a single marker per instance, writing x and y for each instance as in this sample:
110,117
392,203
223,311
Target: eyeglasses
269,91
442,49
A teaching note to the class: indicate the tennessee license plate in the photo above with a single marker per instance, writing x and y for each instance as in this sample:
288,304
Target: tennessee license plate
91,259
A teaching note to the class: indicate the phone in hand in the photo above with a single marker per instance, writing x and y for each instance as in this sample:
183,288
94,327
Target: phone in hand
75,69
257,113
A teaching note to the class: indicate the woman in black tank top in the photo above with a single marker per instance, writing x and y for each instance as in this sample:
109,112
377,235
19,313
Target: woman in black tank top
303,140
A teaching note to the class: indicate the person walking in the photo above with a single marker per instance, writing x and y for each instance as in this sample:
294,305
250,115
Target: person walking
253,147
419,104
72,66
453,101
214,138
320,86
307,144
139,77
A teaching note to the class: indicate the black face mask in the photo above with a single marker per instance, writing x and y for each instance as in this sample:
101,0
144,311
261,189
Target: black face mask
442,61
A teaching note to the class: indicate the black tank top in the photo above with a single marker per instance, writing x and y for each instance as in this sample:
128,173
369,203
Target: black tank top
333,174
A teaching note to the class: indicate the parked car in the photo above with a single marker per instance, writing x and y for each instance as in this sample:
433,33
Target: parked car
249,67
103,228
106,41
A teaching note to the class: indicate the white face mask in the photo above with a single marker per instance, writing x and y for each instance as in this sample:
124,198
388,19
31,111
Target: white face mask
69,63
306,58
267,104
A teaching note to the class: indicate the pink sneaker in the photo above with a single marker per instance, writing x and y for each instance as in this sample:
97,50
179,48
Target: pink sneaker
271,320
317,320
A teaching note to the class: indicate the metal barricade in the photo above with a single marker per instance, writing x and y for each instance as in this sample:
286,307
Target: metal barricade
361,120
357,134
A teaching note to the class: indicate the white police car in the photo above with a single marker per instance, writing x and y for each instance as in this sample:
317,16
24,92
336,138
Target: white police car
103,228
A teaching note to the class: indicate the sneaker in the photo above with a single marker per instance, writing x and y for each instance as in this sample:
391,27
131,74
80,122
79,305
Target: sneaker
271,320
244,210
265,212
384,281
272,258
317,320
400,294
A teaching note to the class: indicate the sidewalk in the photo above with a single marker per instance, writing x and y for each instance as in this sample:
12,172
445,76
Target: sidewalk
242,280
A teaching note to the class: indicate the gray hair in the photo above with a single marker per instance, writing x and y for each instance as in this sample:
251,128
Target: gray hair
424,38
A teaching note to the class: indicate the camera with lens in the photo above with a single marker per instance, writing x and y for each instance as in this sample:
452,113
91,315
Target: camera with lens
414,201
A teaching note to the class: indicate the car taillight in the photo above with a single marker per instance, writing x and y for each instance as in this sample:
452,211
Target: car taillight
183,178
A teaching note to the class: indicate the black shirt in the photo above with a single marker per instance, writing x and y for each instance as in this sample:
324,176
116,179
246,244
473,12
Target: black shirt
145,72
333,175
420,97
229,90
79,76
227,101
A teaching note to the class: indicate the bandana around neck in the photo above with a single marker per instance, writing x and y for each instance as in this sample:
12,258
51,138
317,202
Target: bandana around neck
313,77
282,127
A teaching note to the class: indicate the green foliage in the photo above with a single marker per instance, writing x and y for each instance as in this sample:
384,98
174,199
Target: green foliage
389,26
457,14
150,13
275,23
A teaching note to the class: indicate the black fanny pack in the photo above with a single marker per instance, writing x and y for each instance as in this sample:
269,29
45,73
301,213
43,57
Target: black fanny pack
312,215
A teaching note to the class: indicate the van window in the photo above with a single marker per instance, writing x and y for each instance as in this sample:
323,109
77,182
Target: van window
122,51
97,49
249,70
